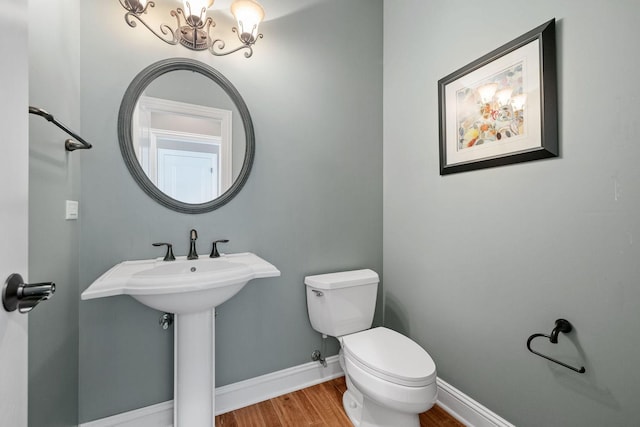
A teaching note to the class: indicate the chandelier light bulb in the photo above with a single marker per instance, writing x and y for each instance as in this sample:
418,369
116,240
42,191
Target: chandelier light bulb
137,5
195,7
248,14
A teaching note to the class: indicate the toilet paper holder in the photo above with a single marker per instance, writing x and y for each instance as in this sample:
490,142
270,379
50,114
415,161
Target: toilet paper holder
564,326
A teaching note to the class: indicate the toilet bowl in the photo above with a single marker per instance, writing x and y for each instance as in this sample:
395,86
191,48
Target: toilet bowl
390,378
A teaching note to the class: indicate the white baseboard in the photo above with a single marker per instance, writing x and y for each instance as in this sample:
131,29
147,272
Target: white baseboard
465,409
160,415
232,396
265,387
254,390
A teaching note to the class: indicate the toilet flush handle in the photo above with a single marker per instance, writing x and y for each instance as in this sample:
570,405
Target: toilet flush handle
318,293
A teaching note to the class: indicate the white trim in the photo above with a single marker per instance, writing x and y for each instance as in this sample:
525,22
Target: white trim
254,390
465,409
232,396
149,103
159,415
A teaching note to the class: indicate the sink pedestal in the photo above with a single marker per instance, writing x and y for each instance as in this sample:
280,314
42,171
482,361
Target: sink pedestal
194,369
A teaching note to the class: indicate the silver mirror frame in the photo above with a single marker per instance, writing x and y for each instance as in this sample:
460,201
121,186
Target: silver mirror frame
127,107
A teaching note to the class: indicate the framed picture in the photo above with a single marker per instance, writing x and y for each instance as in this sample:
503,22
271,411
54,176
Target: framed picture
501,108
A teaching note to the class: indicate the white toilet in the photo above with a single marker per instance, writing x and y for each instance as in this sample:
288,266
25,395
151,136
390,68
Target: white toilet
390,378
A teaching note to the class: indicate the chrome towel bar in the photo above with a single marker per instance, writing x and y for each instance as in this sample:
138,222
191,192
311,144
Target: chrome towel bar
70,144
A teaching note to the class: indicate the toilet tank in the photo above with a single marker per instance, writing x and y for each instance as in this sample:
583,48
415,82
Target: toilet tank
342,303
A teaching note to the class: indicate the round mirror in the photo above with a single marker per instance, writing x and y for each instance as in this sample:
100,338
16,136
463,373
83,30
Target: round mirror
186,135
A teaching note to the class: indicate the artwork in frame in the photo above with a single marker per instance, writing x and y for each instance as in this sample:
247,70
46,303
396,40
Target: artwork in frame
501,108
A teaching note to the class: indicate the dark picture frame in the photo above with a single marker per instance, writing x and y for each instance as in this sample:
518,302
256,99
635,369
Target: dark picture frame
501,108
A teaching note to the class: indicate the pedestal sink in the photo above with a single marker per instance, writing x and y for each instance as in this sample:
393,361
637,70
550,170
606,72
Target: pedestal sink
191,289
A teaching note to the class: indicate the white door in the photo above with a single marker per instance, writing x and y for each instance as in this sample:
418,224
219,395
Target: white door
14,173
188,176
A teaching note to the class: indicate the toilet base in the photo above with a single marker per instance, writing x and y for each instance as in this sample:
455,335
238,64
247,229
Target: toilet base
352,407
364,412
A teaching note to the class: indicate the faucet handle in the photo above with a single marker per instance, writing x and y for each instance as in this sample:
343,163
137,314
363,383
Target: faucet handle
169,255
214,249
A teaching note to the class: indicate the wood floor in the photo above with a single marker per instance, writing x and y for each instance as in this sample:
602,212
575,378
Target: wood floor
317,406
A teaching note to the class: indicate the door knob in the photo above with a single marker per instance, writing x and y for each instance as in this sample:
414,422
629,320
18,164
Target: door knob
22,296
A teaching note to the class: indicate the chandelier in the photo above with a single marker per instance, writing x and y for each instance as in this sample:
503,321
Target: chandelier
193,25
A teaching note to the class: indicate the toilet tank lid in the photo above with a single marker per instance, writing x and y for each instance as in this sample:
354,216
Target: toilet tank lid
342,279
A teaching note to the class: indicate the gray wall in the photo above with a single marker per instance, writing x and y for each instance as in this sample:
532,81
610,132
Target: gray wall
476,262
312,204
54,176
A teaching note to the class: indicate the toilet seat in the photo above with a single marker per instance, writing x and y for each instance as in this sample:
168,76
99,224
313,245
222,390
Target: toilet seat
391,356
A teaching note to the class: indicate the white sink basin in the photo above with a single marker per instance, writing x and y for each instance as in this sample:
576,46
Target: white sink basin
181,286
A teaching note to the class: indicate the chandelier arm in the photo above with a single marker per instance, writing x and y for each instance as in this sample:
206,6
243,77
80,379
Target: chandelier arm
210,41
219,44
168,30
165,29
176,14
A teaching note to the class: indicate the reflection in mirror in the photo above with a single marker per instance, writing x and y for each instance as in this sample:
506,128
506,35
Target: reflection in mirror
187,140
184,138
185,149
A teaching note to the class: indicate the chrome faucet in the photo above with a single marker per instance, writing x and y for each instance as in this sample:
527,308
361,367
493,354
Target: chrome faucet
193,235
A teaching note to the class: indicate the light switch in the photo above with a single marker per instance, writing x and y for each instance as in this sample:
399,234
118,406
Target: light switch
71,211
